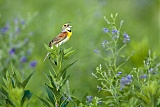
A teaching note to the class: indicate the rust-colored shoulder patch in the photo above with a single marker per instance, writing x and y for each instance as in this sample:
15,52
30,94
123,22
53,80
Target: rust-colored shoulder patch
58,38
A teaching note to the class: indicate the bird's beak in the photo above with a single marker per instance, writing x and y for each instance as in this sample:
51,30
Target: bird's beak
70,26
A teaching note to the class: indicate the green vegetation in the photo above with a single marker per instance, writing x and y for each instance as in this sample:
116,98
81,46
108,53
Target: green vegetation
115,64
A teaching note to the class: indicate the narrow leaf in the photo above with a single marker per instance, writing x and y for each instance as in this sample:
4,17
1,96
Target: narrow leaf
64,103
69,65
26,80
67,50
84,98
18,81
45,102
51,96
109,101
6,82
27,95
47,47
52,82
67,55
64,81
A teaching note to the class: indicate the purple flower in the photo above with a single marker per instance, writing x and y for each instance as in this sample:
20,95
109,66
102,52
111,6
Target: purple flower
104,43
89,99
105,30
6,28
126,38
129,77
125,81
114,31
23,22
12,51
119,73
69,99
23,59
150,70
143,76
33,64
96,51
99,88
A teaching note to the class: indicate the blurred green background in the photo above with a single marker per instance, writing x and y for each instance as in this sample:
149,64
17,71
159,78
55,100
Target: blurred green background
141,22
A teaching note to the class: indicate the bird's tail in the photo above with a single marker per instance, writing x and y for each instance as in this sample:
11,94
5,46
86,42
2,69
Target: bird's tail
46,56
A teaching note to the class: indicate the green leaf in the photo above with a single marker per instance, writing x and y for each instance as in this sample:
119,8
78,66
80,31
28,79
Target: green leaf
3,94
17,79
6,82
26,80
63,74
45,102
17,75
13,82
64,81
60,59
4,97
53,55
70,53
10,103
84,98
51,96
69,65
64,103
27,95
54,67
55,48
52,51
47,47
143,98
109,101
67,50
75,101
7,75
52,81
54,90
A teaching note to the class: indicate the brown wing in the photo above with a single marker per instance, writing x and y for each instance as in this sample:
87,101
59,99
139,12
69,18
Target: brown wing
58,38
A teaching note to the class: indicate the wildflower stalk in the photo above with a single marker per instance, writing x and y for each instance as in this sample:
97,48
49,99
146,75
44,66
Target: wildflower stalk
115,38
110,81
58,90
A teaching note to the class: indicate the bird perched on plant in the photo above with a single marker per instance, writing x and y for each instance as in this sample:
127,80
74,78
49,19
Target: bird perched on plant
63,37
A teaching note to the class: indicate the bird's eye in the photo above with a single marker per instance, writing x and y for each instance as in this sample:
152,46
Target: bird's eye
64,25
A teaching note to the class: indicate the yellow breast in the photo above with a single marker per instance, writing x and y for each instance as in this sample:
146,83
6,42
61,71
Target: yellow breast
69,35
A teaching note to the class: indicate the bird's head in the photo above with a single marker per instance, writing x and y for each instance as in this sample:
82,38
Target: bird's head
66,27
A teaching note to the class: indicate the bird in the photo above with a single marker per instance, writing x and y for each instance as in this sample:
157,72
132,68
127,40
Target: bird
61,38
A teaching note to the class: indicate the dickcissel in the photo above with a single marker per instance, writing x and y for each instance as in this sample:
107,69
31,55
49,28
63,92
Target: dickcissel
63,37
